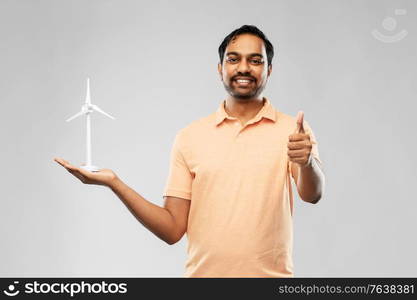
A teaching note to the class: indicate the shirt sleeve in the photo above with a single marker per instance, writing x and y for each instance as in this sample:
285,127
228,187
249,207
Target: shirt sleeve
314,149
180,179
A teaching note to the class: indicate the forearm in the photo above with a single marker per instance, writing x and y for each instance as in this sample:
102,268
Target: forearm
157,219
311,182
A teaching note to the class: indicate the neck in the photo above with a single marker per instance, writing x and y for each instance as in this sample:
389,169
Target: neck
243,109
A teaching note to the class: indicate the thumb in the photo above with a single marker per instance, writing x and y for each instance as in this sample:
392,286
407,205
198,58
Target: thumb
300,122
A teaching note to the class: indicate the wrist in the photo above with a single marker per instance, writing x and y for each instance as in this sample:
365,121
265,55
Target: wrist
308,164
114,182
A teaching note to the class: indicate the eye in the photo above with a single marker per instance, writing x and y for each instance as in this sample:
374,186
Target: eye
257,61
231,59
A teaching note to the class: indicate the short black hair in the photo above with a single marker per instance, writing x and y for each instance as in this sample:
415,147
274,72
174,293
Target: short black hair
251,29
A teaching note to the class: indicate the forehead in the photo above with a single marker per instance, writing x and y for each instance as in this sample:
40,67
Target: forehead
246,44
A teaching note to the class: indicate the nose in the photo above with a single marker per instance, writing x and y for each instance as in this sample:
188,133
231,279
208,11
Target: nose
243,67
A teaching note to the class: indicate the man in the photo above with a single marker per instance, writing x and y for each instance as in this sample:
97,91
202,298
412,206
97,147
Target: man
229,184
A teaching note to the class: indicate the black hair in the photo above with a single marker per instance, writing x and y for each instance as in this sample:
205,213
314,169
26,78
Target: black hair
251,29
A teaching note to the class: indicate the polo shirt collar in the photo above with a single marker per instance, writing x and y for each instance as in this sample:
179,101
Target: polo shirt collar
267,111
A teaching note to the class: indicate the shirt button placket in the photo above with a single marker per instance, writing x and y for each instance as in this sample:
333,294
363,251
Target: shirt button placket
238,129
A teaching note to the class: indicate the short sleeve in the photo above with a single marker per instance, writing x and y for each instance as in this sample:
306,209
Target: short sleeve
314,149
180,179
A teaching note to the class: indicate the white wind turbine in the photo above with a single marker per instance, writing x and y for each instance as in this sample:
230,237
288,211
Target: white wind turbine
87,109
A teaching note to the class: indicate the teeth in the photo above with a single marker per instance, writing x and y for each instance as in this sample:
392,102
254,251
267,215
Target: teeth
243,81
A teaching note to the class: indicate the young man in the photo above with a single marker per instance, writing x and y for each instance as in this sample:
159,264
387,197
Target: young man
229,184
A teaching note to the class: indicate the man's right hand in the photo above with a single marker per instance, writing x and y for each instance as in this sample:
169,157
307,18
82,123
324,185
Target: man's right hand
103,177
169,223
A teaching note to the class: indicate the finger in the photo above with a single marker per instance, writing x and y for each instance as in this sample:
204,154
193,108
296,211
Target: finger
296,153
60,161
300,122
78,175
63,161
57,160
69,167
299,160
299,145
298,137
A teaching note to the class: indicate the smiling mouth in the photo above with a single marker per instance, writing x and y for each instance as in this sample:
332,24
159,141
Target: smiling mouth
243,82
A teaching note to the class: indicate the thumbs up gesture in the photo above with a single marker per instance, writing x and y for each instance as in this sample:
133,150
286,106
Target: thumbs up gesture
299,144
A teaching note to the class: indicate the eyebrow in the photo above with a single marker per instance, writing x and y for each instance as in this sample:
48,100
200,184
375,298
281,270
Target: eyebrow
251,54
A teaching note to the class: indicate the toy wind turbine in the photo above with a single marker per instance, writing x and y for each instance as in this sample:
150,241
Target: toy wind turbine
87,109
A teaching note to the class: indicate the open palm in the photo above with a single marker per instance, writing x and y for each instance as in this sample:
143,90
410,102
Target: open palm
102,177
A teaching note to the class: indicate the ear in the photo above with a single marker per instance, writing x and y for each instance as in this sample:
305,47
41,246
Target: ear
269,70
219,70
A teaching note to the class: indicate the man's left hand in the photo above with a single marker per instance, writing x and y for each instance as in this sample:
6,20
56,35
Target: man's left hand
299,145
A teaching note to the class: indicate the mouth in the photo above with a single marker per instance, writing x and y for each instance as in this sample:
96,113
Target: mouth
243,82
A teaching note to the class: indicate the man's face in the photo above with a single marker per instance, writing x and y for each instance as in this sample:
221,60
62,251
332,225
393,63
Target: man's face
245,70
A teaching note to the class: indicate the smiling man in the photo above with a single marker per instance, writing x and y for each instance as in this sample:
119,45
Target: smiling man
229,184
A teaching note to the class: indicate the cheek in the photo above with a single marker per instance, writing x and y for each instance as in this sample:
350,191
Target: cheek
262,80
228,72
263,74
227,76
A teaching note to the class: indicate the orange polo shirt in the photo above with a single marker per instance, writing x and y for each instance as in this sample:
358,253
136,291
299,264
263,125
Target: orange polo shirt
238,179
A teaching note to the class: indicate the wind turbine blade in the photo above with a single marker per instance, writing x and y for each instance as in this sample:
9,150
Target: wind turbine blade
75,116
88,95
95,107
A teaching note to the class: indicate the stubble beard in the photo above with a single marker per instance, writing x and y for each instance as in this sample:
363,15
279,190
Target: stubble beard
240,96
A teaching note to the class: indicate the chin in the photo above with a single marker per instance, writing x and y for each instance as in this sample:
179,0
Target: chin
249,95
243,97
238,95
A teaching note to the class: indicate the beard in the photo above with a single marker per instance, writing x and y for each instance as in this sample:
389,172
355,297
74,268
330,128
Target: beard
243,95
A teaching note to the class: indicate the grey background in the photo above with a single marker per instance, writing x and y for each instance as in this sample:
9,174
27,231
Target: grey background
152,65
